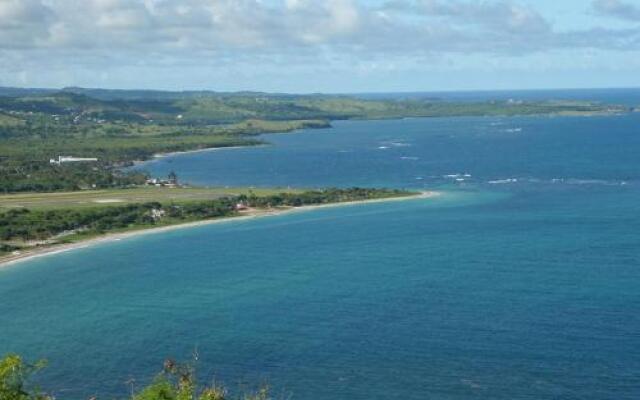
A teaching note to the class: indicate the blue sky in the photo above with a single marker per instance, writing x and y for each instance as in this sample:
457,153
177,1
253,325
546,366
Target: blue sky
320,45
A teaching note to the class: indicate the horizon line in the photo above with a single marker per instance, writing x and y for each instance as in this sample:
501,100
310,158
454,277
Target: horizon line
160,90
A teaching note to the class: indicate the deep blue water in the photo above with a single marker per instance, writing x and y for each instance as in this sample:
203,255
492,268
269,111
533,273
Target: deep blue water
520,282
415,153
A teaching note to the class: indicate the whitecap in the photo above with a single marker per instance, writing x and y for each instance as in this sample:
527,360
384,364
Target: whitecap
574,181
503,181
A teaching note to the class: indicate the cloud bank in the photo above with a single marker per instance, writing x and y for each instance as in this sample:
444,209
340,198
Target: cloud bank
90,34
617,9
254,26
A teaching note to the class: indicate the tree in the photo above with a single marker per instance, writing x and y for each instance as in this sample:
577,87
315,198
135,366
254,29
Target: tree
14,376
173,177
175,382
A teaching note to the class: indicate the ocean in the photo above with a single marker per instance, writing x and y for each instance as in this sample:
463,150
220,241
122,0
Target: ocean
521,281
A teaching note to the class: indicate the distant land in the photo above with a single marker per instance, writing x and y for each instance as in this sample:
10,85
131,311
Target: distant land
458,95
80,141
119,127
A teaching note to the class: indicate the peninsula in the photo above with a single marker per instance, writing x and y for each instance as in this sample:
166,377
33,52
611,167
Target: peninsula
64,153
35,225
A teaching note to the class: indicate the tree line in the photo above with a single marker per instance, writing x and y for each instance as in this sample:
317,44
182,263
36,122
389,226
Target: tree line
176,381
24,224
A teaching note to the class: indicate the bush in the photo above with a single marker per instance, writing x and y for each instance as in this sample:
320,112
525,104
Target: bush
175,382
14,376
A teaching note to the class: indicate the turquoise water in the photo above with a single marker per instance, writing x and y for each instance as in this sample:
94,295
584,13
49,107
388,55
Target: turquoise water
519,282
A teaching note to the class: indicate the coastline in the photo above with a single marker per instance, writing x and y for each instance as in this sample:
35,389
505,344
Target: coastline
554,114
207,149
202,150
158,156
37,252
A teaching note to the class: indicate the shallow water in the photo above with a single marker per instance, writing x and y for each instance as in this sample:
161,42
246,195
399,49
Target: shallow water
520,282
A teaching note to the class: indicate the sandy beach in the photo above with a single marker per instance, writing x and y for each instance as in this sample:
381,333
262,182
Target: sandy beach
36,252
158,156
203,150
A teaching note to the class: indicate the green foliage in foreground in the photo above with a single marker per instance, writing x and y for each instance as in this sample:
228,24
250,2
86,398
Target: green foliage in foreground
175,382
23,224
14,376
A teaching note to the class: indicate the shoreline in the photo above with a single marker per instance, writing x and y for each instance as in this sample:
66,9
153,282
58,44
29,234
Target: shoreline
555,114
202,150
207,149
37,252
159,156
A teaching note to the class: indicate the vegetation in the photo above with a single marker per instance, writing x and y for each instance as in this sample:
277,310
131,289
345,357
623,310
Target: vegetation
25,227
175,382
115,197
316,197
14,377
38,176
119,127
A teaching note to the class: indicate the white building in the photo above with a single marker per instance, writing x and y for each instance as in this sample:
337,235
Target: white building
67,159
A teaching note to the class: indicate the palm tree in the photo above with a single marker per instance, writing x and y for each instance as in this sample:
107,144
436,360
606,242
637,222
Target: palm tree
173,177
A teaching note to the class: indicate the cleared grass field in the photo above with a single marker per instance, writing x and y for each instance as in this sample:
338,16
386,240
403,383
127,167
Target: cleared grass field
93,198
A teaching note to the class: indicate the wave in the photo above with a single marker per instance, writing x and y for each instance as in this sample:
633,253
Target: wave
565,181
457,176
575,181
394,143
503,181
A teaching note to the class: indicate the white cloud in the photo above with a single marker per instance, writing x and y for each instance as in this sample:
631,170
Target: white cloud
95,35
119,14
15,13
501,15
618,9
400,26
23,22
